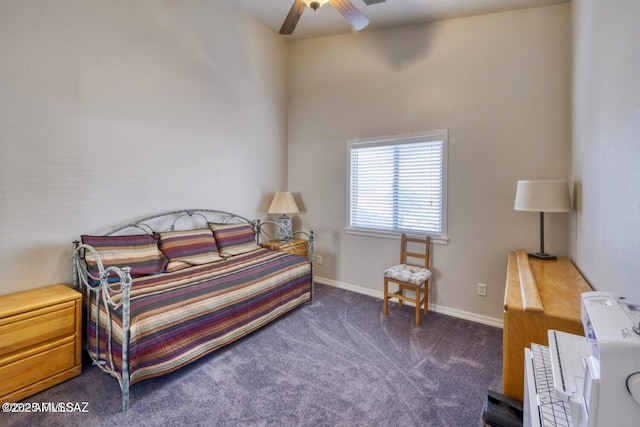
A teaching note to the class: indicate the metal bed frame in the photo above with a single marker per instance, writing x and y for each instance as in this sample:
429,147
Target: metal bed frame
113,299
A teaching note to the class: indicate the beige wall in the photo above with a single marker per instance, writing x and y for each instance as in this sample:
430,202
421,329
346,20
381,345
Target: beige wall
605,227
114,110
500,83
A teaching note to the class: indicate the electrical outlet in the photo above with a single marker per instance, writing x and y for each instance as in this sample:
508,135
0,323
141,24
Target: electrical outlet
319,259
482,289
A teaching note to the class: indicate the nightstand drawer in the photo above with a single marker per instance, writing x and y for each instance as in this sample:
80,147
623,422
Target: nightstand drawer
38,367
40,340
39,326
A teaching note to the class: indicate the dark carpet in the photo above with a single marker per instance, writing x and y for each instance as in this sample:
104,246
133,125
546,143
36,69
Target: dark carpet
337,362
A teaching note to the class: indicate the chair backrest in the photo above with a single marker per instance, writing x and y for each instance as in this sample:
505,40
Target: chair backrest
406,253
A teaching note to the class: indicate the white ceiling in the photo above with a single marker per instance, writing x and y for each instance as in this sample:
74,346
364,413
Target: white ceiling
327,21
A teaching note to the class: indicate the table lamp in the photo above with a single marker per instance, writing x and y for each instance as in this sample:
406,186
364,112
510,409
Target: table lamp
283,203
542,196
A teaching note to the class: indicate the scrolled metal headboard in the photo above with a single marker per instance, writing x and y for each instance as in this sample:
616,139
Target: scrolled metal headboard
220,216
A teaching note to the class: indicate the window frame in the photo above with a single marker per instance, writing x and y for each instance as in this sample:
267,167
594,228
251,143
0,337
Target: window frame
431,135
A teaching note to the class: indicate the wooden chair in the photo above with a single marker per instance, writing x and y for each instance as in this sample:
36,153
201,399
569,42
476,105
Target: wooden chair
410,276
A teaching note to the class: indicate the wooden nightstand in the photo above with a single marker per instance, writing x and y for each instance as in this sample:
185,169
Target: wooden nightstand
294,246
40,340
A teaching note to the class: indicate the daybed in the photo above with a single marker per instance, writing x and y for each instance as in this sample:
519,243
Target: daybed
167,289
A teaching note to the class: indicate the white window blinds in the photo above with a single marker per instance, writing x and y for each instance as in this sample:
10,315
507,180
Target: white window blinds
398,184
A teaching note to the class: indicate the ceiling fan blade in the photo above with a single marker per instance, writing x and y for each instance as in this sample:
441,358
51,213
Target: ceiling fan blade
291,20
349,11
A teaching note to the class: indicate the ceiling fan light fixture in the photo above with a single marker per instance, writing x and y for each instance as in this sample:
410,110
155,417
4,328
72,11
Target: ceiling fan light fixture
315,4
357,20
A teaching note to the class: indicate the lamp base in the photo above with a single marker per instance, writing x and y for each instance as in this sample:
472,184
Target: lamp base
543,256
284,229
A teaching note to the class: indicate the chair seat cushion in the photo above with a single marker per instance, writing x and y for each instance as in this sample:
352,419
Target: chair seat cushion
408,273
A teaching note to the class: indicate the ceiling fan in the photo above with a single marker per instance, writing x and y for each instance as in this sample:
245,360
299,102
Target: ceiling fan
357,20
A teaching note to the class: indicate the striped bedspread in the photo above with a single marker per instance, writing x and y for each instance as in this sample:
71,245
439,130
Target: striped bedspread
181,316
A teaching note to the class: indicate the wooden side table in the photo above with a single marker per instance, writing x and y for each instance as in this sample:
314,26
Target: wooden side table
40,340
294,246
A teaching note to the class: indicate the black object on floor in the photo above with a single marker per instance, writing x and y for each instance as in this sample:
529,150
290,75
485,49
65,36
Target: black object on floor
502,411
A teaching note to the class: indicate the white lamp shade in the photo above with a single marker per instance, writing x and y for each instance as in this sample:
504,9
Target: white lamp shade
542,196
283,203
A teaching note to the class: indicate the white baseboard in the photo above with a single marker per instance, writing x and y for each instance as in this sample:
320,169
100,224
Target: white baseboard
473,317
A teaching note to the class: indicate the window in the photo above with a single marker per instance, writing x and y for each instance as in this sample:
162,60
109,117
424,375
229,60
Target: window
398,184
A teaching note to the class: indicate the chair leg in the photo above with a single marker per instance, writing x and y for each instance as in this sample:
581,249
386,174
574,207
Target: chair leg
426,296
418,296
386,298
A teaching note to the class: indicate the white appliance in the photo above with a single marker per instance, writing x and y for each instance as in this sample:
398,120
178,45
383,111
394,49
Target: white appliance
592,381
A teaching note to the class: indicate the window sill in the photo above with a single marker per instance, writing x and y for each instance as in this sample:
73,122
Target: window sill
440,240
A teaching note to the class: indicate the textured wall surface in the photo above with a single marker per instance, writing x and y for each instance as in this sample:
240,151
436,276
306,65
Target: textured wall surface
605,226
110,111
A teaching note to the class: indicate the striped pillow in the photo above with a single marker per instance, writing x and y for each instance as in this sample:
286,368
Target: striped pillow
140,252
234,239
189,247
